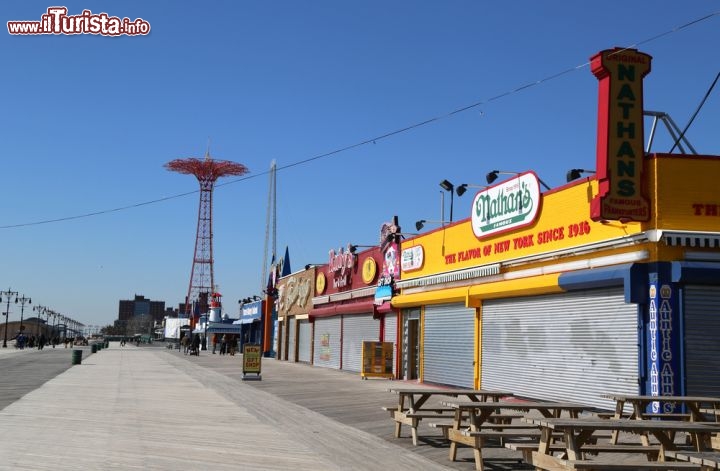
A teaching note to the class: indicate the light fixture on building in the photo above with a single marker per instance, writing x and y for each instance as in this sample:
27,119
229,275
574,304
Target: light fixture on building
421,223
576,173
461,189
447,186
493,175
353,248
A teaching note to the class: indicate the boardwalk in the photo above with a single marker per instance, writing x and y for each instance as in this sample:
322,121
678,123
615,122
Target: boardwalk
152,408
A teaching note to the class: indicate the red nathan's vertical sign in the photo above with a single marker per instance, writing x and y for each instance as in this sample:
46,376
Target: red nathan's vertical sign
620,135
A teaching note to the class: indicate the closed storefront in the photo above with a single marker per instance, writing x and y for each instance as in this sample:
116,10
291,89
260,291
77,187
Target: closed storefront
304,340
573,346
294,295
702,340
357,328
292,339
327,342
449,345
391,336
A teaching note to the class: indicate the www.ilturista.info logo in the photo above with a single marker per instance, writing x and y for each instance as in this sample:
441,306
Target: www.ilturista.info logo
57,21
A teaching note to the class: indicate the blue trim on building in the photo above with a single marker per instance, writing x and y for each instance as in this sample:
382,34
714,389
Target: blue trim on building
702,273
631,276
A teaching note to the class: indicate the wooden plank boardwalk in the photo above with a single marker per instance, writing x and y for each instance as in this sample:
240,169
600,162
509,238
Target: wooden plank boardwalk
151,408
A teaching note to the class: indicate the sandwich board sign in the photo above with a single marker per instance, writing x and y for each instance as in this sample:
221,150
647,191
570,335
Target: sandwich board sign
252,360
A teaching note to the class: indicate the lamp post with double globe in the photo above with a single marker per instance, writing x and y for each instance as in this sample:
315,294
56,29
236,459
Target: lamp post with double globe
8,294
22,300
40,311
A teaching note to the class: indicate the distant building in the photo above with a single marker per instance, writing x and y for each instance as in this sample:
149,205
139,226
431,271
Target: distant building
141,306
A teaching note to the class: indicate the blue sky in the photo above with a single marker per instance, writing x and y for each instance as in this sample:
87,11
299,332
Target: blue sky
89,121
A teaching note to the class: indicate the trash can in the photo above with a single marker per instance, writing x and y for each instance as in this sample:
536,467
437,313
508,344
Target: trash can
107,344
94,348
76,357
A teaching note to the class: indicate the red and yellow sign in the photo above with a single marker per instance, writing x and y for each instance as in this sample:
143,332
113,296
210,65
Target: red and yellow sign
620,147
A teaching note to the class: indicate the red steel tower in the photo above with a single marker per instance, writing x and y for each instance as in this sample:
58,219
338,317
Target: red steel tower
202,280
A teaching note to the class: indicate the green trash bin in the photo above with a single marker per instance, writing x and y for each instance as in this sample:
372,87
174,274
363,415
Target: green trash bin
76,357
94,348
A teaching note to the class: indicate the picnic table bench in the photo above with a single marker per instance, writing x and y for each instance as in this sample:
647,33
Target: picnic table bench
411,407
577,433
697,408
707,459
472,426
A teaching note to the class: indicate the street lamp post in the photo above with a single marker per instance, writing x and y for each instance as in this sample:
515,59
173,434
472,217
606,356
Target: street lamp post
54,329
40,310
8,294
23,299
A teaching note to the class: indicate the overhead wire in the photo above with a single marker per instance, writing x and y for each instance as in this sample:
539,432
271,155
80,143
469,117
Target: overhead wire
372,140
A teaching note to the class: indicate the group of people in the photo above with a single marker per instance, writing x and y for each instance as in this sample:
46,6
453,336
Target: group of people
23,341
191,344
228,344
225,344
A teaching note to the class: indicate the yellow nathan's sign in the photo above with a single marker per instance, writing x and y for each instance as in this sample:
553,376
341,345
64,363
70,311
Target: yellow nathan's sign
562,223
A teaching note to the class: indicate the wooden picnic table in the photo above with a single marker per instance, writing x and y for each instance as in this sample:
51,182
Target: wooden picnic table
479,427
697,408
411,407
579,431
696,405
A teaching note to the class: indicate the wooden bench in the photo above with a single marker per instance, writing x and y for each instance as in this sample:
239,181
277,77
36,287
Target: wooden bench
406,417
526,448
444,427
439,410
666,415
707,459
551,462
611,415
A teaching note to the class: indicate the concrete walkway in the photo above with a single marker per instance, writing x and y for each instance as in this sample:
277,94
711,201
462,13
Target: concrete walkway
151,408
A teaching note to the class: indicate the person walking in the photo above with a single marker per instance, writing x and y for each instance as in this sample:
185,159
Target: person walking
185,342
223,344
196,345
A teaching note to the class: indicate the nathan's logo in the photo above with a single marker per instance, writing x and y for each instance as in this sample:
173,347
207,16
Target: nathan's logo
508,206
620,151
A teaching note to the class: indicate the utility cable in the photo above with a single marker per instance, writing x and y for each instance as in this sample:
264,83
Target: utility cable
376,138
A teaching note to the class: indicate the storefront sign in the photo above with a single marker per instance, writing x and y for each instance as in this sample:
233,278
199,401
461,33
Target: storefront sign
412,258
369,270
325,347
507,206
341,265
294,293
620,147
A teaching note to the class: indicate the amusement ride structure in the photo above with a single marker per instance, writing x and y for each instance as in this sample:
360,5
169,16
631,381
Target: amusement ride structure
202,280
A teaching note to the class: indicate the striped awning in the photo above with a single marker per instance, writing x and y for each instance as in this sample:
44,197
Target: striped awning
692,239
458,275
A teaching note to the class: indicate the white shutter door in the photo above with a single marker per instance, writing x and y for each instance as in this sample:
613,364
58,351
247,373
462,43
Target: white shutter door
292,328
391,335
304,340
356,329
449,345
327,342
572,347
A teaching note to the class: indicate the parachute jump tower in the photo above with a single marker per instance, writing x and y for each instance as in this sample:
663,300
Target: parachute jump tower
202,281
